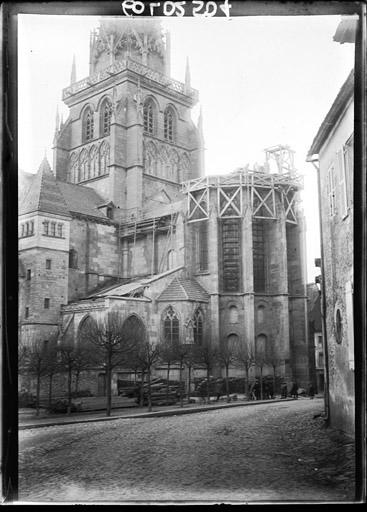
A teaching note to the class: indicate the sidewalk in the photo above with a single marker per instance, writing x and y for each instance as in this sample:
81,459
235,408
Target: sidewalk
31,421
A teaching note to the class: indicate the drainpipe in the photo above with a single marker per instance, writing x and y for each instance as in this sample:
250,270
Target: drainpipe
323,298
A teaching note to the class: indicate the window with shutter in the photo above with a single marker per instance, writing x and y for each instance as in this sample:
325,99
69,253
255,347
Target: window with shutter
331,190
342,192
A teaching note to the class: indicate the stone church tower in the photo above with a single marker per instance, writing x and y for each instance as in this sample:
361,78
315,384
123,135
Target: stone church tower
127,220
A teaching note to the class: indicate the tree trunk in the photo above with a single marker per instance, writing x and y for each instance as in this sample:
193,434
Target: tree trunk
69,391
261,382
189,385
50,389
38,392
108,382
149,391
135,376
77,374
181,394
167,386
142,389
227,386
274,368
246,382
208,383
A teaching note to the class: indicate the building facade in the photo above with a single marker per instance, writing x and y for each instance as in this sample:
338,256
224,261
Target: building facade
333,149
126,220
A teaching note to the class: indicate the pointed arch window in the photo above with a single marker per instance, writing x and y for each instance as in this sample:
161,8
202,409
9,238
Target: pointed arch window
105,122
198,327
148,116
169,122
171,326
88,125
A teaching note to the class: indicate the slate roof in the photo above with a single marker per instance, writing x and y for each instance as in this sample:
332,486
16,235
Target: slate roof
43,192
81,199
181,288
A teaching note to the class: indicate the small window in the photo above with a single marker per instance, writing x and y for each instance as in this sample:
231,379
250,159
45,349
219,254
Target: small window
47,303
73,258
59,230
46,225
48,264
53,229
233,315
31,227
22,230
27,312
29,274
338,326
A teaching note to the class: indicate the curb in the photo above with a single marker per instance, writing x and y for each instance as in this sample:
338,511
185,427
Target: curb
155,414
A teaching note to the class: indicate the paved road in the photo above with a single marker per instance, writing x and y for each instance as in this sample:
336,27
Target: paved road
266,452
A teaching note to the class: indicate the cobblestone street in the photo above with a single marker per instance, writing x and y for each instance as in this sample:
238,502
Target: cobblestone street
264,452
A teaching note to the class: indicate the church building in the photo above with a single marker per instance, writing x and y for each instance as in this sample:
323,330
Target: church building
127,220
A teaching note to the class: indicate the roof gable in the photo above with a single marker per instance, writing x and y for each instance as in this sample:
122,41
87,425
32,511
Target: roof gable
183,289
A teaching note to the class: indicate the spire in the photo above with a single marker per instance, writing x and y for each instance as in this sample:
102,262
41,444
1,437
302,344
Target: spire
73,72
200,122
187,75
44,165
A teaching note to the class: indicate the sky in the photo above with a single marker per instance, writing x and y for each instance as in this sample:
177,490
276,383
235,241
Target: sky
262,81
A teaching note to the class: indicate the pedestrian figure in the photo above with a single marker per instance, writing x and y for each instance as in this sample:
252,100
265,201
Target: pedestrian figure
270,390
311,391
252,392
284,390
257,390
218,389
202,391
294,393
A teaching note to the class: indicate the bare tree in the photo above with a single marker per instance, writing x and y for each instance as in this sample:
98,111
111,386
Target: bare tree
168,356
207,356
146,355
274,361
33,361
113,340
52,364
245,358
226,355
182,352
191,360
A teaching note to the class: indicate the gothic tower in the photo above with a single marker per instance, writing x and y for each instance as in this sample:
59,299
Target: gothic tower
129,134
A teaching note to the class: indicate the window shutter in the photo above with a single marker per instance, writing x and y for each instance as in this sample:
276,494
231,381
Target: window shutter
342,192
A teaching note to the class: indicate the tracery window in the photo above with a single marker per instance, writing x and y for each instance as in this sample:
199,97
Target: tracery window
198,327
148,116
88,125
169,124
171,326
105,120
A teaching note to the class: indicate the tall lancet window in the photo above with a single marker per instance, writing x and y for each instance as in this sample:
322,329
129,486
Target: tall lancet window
148,115
169,124
88,125
198,327
106,113
171,326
